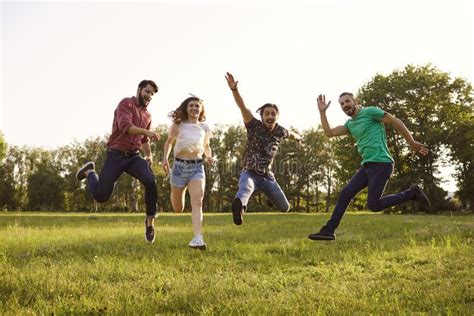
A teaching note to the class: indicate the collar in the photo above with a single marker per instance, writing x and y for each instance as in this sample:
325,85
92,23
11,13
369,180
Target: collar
135,102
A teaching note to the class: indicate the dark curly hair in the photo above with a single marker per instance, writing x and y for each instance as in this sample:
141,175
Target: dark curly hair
347,93
267,105
181,114
144,83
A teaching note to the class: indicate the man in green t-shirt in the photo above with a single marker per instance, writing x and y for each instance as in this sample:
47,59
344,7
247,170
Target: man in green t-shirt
366,125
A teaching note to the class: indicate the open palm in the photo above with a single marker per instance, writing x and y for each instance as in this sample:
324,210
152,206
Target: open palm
231,81
322,106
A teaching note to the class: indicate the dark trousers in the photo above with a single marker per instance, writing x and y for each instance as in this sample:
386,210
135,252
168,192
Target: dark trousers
117,163
373,175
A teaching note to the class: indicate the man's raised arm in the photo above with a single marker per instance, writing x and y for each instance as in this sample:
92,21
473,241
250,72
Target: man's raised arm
328,131
246,114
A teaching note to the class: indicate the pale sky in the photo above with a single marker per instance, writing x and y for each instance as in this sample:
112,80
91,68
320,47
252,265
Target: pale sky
66,65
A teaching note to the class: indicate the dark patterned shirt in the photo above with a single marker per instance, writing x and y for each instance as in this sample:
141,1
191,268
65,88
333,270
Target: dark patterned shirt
262,146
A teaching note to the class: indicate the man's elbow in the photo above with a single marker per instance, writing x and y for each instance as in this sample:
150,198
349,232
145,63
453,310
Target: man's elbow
126,128
392,120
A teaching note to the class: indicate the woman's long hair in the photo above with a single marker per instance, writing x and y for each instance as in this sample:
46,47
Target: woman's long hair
181,113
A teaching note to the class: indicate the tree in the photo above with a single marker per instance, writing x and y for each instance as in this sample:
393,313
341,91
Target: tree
287,167
316,157
3,148
7,188
72,157
461,145
162,179
228,146
45,188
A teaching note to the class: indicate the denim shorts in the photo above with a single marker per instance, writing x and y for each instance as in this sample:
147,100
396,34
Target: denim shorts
185,171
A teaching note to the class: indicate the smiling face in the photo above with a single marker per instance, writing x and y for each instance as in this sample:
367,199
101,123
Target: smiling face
269,117
348,104
194,109
145,95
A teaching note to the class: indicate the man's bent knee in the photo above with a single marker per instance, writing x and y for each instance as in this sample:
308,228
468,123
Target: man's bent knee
149,182
375,207
101,199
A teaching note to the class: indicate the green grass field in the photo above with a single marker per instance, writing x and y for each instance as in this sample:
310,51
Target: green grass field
380,264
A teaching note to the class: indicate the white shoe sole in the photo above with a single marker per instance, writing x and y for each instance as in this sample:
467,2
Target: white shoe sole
200,247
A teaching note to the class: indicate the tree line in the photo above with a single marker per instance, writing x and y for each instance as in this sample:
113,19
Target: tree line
436,108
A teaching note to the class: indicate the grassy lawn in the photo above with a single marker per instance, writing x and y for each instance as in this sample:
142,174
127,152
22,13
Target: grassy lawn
380,264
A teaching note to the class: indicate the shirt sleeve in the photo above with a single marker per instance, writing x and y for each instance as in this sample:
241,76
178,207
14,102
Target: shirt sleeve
252,124
209,134
145,139
282,132
124,115
375,112
173,130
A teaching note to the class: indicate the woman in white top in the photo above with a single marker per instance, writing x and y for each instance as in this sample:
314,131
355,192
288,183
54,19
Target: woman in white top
192,141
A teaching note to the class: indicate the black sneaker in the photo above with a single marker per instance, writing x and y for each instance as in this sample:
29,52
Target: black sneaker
420,196
80,174
323,234
237,211
149,233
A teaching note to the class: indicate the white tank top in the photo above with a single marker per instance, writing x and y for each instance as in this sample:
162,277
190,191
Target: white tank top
191,137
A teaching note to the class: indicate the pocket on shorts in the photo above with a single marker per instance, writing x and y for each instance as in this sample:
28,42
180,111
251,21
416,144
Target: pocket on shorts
177,170
198,172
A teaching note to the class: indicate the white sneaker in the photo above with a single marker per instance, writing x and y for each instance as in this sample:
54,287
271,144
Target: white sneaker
197,243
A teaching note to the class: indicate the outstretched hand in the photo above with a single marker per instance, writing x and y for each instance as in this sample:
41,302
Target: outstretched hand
322,106
152,135
149,160
210,160
419,148
231,81
165,165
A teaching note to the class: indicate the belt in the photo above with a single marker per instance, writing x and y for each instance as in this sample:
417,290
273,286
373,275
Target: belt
368,163
126,153
267,174
189,160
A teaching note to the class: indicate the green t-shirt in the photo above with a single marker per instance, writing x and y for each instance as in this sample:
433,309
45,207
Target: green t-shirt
369,133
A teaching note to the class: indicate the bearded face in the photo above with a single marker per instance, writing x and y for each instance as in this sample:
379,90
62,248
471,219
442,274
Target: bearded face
348,105
269,117
145,95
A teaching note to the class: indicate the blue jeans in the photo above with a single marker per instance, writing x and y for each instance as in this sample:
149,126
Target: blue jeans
117,163
250,181
184,171
373,175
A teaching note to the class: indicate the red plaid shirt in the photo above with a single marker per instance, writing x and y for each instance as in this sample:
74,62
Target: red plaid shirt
129,113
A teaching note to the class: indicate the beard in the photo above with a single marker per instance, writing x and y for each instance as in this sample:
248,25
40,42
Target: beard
141,101
350,111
